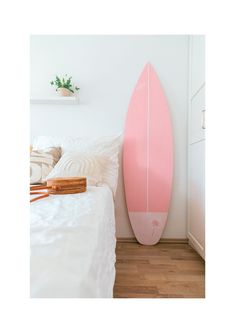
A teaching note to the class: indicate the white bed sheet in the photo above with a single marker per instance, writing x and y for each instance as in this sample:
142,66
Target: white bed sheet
73,245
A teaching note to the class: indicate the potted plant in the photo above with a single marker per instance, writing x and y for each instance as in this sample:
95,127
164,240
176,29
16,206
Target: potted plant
64,85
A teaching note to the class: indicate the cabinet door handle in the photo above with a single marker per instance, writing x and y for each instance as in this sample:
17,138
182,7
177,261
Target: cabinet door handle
203,119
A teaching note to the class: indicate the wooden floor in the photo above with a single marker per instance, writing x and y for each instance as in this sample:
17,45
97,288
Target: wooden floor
159,271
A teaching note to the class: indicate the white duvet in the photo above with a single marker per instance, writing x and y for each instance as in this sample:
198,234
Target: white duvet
73,245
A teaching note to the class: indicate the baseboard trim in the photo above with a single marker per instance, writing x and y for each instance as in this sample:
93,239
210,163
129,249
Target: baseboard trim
162,240
196,245
174,240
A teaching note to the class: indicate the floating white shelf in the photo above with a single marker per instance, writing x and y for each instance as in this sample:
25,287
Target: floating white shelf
55,100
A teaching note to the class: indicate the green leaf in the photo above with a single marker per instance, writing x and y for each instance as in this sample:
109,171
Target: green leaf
64,82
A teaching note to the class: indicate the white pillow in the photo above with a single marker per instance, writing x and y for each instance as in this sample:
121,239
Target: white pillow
71,143
97,169
106,146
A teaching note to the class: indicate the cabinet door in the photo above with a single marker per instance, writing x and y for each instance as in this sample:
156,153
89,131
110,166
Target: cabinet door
197,117
197,63
197,196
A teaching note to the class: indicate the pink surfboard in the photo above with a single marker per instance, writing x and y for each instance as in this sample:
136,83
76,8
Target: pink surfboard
148,158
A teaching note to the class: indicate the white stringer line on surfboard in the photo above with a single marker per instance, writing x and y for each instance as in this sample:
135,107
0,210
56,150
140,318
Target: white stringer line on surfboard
147,185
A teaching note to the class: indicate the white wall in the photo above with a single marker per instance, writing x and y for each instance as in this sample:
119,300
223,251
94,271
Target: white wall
106,68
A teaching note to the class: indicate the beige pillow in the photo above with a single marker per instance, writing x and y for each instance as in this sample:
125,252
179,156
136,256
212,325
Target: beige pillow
42,162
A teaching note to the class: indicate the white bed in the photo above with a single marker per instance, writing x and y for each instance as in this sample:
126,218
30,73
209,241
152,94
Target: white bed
73,245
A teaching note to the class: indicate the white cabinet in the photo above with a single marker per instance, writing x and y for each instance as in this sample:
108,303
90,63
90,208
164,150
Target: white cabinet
196,198
197,61
197,117
196,146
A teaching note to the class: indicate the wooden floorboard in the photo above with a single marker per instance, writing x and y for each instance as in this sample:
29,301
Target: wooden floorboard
159,271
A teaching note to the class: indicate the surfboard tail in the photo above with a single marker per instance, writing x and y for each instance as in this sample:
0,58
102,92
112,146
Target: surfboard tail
148,226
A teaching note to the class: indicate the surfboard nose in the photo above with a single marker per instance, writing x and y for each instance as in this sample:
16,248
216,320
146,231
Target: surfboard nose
147,65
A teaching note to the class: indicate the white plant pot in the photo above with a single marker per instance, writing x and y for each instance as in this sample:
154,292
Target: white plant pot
64,92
